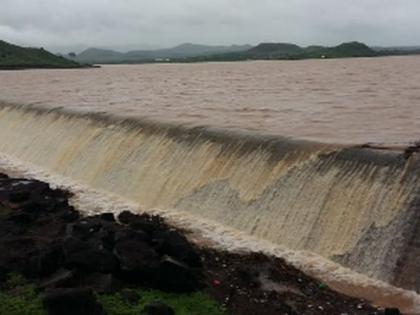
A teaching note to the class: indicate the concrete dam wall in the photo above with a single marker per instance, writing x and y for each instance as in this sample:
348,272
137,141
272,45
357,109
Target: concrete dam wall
356,206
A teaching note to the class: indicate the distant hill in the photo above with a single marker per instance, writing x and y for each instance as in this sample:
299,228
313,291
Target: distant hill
345,50
398,50
265,51
96,55
16,57
197,53
188,49
276,51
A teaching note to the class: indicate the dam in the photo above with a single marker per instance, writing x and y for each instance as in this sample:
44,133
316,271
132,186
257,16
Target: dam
357,205
354,205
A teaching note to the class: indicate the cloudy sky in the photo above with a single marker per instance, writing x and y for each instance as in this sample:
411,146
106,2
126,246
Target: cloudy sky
126,24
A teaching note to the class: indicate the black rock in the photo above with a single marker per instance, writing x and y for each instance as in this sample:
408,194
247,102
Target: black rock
126,217
84,256
46,261
107,237
58,279
15,253
71,302
126,234
71,215
392,311
250,276
158,308
174,244
93,260
136,256
101,283
33,207
107,217
144,222
175,276
85,229
22,219
19,196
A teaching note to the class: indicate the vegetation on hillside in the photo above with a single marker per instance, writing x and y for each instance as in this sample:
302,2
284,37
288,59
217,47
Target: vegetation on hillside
286,51
197,53
16,57
96,55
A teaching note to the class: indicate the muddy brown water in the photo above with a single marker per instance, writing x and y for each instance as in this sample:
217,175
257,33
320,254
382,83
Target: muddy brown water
353,205
343,101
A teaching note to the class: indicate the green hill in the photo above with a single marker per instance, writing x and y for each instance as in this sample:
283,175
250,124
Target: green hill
97,55
274,50
345,50
197,53
16,57
282,51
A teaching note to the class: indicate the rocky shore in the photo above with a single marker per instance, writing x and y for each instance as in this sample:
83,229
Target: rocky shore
72,261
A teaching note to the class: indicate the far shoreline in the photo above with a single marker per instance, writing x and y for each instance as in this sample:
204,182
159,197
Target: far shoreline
175,62
17,68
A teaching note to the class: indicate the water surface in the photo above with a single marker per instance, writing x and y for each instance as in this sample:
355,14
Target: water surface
343,100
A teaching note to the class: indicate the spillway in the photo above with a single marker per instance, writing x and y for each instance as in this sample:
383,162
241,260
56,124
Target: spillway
356,206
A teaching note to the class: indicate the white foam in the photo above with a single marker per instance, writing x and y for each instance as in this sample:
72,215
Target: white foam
91,201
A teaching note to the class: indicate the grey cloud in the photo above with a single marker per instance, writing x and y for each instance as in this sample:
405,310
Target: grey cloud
168,22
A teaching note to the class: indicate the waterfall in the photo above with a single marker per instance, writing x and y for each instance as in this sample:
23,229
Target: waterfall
353,205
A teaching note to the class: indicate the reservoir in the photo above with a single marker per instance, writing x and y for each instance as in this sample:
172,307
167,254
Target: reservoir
267,150
337,101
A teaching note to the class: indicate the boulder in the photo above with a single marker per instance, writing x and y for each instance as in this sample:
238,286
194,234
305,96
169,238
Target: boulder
126,217
57,280
22,219
84,256
174,244
33,207
70,215
158,308
46,261
15,253
126,234
144,222
71,302
19,196
101,283
175,276
85,229
136,257
107,217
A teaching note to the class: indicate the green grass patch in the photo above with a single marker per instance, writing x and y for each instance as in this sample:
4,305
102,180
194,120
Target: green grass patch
19,297
183,304
22,300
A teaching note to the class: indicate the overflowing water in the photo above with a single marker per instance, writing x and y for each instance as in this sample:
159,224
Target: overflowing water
136,132
209,233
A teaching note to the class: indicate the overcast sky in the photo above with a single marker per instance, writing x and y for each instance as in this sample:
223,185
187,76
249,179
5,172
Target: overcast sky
66,24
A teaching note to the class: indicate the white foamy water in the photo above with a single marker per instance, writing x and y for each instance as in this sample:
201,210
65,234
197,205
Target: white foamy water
209,233
344,100
239,191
